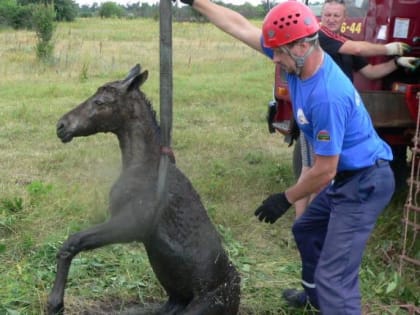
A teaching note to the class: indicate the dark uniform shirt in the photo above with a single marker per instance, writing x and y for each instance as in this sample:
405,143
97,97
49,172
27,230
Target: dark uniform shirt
331,42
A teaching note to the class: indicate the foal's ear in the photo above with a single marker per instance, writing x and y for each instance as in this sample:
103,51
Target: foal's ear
143,77
132,73
135,82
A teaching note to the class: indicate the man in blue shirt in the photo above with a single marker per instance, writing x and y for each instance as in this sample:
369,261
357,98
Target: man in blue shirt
348,55
351,160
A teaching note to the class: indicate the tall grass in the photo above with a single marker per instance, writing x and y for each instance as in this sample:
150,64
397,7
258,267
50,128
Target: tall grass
49,190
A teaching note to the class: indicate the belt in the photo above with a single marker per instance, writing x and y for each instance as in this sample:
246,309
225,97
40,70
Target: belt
347,174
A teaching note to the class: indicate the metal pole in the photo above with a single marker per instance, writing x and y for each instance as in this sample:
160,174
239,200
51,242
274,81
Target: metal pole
165,49
165,9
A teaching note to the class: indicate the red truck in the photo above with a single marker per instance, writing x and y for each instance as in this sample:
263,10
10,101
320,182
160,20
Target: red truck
391,101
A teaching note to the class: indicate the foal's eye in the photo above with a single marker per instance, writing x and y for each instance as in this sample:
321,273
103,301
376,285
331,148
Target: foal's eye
99,102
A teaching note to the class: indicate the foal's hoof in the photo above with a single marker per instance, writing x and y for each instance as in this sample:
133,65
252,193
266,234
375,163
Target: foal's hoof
55,308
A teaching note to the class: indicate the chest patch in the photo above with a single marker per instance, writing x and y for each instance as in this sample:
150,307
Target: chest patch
301,117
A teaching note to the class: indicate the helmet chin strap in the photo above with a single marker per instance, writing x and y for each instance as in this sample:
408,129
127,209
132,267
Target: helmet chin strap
299,60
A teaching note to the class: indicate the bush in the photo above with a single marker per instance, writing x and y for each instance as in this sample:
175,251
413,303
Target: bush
22,18
14,15
7,8
43,18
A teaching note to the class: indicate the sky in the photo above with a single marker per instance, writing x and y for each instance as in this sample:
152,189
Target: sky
124,2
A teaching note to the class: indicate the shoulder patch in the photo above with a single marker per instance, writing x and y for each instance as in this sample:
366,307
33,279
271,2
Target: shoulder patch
323,135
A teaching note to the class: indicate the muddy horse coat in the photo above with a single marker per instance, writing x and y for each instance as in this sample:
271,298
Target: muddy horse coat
184,248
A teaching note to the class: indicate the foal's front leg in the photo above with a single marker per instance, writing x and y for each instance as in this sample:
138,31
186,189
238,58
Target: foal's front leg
119,229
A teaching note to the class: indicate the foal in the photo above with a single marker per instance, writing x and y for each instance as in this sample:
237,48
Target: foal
184,248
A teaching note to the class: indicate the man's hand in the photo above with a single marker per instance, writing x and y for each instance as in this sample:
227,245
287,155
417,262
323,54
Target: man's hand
273,208
396,48
411,63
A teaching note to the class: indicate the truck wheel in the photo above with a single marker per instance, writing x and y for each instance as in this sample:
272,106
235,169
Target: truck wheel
297,159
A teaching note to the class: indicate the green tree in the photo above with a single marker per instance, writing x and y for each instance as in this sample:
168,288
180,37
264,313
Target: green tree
7,10
110,9
86,11
27,2
65,10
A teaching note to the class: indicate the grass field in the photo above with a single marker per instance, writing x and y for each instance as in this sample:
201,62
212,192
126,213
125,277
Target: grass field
49,190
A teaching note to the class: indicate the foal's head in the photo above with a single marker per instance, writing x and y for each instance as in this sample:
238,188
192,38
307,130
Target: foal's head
106,111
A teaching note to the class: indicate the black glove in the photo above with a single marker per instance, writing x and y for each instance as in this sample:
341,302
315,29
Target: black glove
294,133
273,208
271,113
189,2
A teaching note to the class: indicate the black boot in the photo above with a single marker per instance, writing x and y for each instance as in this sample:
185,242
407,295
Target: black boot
296,298
299,299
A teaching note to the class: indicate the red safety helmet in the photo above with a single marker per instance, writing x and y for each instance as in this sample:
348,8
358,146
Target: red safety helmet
287,22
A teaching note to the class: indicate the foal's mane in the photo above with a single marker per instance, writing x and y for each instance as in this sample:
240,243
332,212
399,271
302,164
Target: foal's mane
141,98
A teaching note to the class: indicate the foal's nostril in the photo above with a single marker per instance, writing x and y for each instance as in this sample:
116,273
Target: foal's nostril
61,129
60,125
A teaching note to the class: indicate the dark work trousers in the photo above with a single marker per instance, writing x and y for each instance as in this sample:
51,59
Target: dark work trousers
332,233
